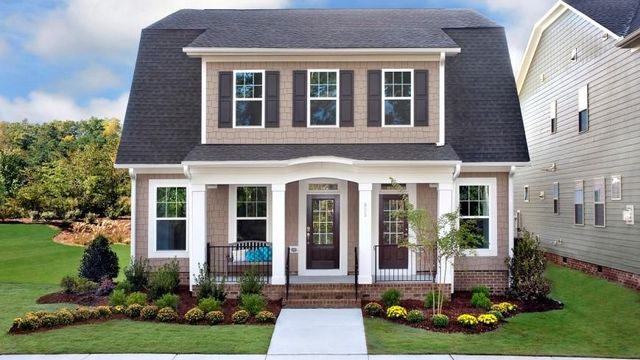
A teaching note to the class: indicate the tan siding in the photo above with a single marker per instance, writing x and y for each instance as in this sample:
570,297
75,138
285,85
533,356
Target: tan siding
359,133
291,196
218,215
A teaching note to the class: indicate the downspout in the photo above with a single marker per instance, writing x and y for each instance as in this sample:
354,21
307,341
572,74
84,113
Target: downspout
133,200
512,172
456,172
187,171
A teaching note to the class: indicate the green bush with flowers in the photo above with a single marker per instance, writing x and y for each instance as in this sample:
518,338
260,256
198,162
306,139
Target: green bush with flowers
194,315
497,314
415,316
488,319
396,312
214,317
265,317
167,314
65,317
440,320
133,310
467,320
149,312
505,308
373,309
240,317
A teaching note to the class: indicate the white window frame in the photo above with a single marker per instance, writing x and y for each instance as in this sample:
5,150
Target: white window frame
583,104
555,192
613,179
493,213
384,98
152,251
262,99
233,206
603,198
336,98
581,182
527,193
553,116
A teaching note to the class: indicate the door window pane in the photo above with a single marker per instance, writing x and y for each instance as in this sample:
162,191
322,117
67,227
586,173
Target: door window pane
322,213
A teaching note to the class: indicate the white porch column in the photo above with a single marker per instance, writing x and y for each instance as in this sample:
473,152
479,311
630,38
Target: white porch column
365,244
445,205
197,230
277,233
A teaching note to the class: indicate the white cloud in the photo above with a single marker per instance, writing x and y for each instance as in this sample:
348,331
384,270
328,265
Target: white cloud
92,78
42,106
111,28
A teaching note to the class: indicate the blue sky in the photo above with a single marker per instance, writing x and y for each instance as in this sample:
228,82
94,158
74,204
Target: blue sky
72,59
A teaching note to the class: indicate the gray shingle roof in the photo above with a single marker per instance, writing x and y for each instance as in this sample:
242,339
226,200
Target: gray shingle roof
622,17
324,28
258,152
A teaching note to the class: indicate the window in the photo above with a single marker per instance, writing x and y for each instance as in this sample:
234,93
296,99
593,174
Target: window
583,109
598,202
251,213
323,187
397,104
477,201
578,207
390,187
526,193
248,99
616,187
553,116
323,98
556,198
167,218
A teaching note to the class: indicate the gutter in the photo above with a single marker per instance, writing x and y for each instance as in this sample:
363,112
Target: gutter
629,39
201,51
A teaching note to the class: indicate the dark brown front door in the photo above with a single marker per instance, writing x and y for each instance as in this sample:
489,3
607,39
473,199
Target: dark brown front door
323,231
392,231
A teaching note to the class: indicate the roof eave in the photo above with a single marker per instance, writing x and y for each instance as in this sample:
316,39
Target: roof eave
630,41
219,51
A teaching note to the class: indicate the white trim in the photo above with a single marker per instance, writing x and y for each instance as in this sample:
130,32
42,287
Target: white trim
603,202
203,103
133,223
512,216
139,167
441,102
200,51
322,159
153,185
493,211
555,196
575,183
385,98
232,232
549,18
619,177
505,163
261,99
343,193
336,98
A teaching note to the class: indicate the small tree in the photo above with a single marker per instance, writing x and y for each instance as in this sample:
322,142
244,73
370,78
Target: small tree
527,270
99,261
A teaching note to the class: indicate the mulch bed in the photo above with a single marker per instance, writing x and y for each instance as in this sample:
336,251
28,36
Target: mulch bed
459,304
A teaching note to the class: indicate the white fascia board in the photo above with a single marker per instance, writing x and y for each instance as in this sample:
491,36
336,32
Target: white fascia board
152,168
201,51
492,166
321,159
626,41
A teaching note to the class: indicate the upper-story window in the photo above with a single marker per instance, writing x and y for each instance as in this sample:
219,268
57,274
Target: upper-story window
553,116
583,109
397,90
578,204
323,98
599,217
248,98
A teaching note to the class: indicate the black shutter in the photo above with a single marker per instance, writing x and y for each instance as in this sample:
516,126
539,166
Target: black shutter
374,98
299,98
272,98
225,99
421,98
346,98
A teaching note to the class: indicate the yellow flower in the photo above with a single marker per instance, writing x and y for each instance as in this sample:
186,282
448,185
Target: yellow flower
396,312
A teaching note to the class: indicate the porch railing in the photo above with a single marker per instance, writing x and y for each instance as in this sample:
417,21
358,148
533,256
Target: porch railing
230,262
394,264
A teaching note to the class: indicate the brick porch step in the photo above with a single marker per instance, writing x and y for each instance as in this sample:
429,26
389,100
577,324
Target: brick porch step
321,303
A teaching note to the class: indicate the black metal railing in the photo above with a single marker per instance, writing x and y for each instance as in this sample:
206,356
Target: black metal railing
392,264
230,262
356,272
286,273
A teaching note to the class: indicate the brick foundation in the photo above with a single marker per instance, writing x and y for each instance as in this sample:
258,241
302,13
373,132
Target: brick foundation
496,281
625,278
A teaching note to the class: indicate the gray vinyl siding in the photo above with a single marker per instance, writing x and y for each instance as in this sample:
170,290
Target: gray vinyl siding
610,147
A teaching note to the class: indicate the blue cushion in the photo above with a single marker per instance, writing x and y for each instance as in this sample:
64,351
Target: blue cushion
260,254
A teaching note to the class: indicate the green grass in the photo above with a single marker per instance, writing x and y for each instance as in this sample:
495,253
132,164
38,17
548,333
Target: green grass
599,319
31,265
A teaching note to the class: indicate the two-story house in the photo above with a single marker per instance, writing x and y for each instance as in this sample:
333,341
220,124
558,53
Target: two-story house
268,138
579,88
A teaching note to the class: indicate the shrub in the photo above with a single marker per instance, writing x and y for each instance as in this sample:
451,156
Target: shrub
149,312
118,298
99,260
167,314
415,316
391,297
105,287
69,284
396,312
40,314
208,287
194,315
133,310
431,298
72,215
527,270
65,317
26,323
137,297
497,314
103,311
90,218
240,317
252,303
81,314
373,309
168,300
467,320
34,215
214,317
250,282
137,274
125,286
505,308
48,215
85,286
49,320
209,304
488,319
440,320
266,317
118,309
481,289
165,281
480,300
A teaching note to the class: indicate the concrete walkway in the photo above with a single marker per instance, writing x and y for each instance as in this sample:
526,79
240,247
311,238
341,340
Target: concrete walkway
318,332
280,357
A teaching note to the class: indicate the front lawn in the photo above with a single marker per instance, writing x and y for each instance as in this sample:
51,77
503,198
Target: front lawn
31,265
599,319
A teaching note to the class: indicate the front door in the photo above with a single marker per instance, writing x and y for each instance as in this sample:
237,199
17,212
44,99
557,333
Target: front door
323,231
392,231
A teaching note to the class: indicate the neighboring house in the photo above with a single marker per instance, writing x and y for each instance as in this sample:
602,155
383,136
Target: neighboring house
281,129
579,88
